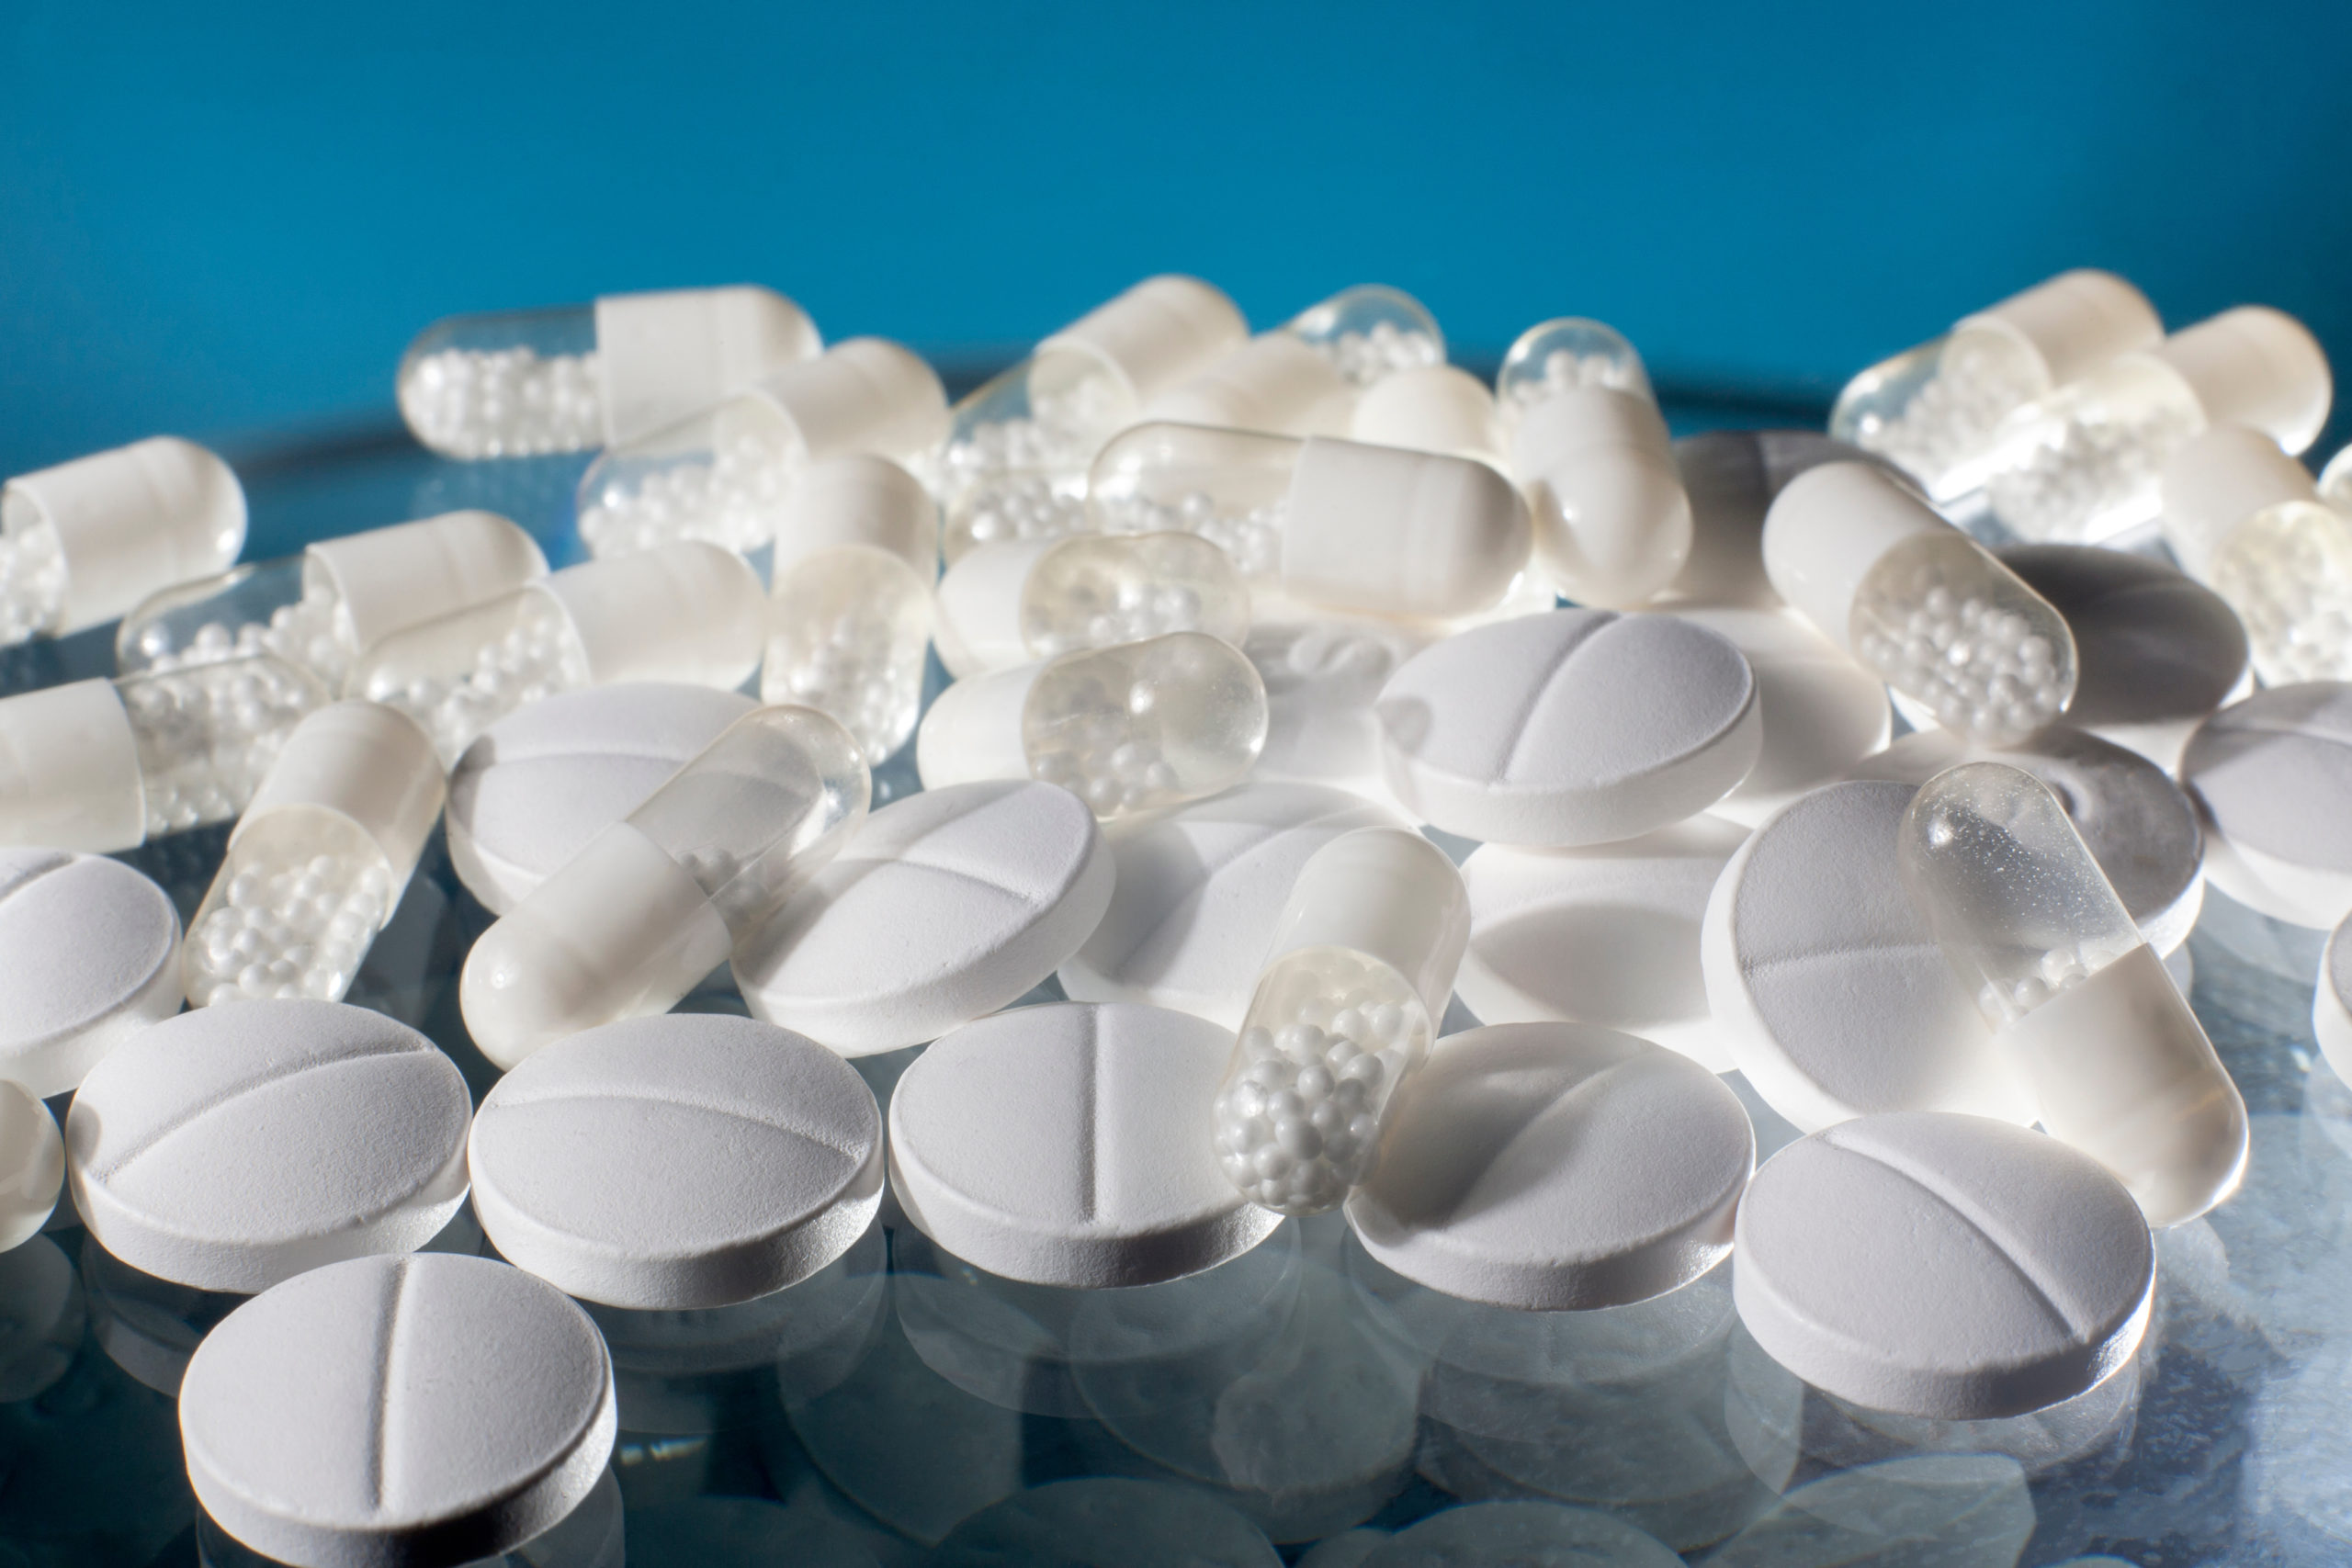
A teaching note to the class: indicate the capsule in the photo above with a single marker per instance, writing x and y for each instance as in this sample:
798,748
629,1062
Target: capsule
1362,962
2244,519
2336,482
318,860
1919,602
2081,466
1126,729
86,541
1431,408
725,474
1931,411
106,765
1014,465
691,613
1012,604
2080,1003
1305,376
523,383
856,548
339,598
660,899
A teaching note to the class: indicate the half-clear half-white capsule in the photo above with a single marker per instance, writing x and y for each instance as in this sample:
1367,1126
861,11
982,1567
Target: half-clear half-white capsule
1006,604
2245,519
1306,376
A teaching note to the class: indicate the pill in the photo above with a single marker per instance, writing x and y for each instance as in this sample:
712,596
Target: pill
2273,775
2331,1004
1522,1531
2078,1000
1354,987
539,785
428,1410
229,1149
32,1165
946,906
1556,1167
687,611
1199,892
1931,611
726,474
1606,934
1430,407
85,541
1006,604
656,901
1107,1520
105,765
1574,727
1329,522
1822,713
1972,1271
521,383
322,609
1323,676
1304,378
1129,728
1071,1144
1826,983
1732,478
94,954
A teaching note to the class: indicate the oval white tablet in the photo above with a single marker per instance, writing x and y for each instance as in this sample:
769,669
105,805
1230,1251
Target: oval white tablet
232,1148
1323,674
1073,1144
535,787
684,1160
92,957
1574,727
947,905
1822,713
1198,892
1556,1167
32,1165
1827,982
1605,934
2273,775
1944,1266
427,1410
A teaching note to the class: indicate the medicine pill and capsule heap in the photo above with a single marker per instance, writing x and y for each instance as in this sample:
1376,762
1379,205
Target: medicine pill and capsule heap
1147,526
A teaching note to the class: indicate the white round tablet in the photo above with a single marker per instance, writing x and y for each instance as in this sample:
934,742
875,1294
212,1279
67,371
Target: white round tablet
1605,934
235,1147
535,787
1198,892
1944,1266
32,1165
1827,982
1073,1144
92,957
1574,727
1556,1167
1323,674
2273,775
425,1411
684,1160
2331,1003
1542,1535
1822,713
947,905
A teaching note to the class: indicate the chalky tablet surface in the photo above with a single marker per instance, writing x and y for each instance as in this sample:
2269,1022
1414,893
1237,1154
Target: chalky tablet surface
1943,1266
1574,727
32,1165
1553,1166
684,1160
1073,1144
1822,713
2273,774
92,957
1827,982
535,787
424,1411
235,1147
947,905
1199,890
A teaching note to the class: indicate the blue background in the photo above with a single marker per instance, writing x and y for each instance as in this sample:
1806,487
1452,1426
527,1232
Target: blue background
225,222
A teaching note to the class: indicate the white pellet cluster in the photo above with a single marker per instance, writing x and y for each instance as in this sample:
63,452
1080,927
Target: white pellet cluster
32,582
298,930
1979,667
536,655
206,735
314,632
730,501
503,404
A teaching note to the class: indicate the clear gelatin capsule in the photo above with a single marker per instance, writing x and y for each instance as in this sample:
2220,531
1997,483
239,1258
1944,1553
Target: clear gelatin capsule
2081,466
318,860
105,765
691,613
660,899
1361,964
1329,522
1305,376
323,608
1586,439
1126,729
2082,1005
523,383
1919,602
85,541
1008,604
2244,518
1931,411
724,474
856,548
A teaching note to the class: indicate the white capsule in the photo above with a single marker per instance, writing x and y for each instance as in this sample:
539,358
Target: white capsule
2245,519
1006,604
1431,408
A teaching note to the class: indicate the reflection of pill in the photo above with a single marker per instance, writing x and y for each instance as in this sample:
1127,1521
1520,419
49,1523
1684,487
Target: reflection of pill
1107,1518
1521,1532
2331,1003
2273,775
93,958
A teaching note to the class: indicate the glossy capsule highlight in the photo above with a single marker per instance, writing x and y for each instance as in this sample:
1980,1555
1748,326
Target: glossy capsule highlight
2244,518
1004,605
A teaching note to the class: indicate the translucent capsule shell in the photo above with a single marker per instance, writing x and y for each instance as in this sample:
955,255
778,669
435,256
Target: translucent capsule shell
1097,591
1146,724
1552,357
2287,570
1371,332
